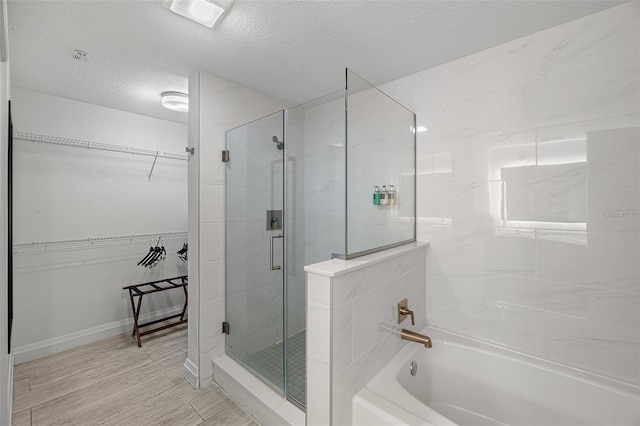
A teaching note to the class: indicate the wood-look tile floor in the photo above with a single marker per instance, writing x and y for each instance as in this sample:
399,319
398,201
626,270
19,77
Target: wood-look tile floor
113,382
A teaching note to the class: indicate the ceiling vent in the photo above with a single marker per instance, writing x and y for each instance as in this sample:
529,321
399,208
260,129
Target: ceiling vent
80,55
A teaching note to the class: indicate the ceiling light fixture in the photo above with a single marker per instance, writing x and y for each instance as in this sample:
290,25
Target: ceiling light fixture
175,101
205,12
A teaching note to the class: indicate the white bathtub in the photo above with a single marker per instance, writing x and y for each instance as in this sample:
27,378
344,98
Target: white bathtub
463,382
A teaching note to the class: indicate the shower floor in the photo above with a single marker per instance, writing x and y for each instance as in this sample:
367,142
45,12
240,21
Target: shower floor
268,363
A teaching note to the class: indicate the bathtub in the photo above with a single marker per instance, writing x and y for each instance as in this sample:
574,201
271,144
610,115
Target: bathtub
464,382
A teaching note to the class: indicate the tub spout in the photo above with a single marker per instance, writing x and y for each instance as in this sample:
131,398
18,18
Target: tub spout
415,337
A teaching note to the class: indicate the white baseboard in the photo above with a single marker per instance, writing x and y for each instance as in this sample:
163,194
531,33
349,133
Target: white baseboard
190,372
73,340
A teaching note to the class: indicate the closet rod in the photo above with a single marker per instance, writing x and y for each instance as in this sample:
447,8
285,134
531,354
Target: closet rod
30,137
99,242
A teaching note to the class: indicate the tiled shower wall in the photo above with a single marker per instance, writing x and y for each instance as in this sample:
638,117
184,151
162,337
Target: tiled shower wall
529,189
381,151
380,148
218,105
253,185
315,168
324,179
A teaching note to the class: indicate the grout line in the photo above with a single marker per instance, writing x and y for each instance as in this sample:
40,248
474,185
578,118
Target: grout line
197,414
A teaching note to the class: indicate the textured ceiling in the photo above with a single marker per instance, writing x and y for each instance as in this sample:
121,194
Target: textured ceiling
290,50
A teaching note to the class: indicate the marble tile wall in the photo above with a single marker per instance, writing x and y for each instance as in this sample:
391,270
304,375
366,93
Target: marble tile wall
528,190
295,222
315,169
381,151
352,326
321,128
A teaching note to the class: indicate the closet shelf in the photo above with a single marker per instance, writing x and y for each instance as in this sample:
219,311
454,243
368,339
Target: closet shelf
30,137
99,242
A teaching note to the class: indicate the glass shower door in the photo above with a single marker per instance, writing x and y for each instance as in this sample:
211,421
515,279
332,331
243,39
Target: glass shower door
254,248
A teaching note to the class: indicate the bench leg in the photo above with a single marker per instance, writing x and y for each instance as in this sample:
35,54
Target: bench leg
186,299
136,313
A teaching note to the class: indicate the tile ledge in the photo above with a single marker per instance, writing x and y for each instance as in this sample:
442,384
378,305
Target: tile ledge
336,267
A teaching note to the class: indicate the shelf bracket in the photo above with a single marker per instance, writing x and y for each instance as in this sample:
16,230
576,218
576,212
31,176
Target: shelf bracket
153,165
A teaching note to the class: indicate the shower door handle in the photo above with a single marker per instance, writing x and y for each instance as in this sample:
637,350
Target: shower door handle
274,267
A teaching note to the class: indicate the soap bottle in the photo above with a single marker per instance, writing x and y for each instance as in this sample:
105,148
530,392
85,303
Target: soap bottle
383,195
391,198
376,196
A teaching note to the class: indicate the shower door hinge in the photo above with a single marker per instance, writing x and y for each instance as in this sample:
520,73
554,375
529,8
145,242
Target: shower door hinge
225,327
225,155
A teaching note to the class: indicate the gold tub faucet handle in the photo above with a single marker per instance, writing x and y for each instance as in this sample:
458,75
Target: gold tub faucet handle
404,312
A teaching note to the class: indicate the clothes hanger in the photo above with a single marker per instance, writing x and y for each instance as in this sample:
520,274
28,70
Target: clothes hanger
144,259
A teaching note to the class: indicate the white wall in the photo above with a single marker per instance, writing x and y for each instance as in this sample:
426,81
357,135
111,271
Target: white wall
64,299
56,116
549,121
215,106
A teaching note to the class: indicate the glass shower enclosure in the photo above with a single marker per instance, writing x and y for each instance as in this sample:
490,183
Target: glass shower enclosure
301,189
254,230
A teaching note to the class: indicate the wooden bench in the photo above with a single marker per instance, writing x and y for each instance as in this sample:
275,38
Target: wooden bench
139,290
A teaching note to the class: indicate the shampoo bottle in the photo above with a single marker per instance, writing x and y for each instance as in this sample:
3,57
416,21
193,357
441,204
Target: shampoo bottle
383,195
391,198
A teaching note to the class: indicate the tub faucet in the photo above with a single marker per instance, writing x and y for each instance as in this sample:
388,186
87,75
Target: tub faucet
404,312
415,337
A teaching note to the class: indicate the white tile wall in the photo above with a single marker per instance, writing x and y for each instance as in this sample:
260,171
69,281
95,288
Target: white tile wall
254,185
315,220
380,149
556,113
319,139
352,324
528,144
218,106
318,349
